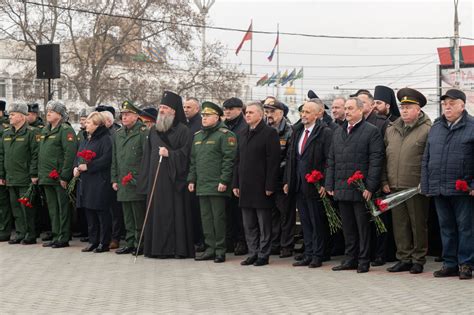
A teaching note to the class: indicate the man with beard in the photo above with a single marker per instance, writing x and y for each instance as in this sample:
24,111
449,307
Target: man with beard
168,230
386,103
235,238
283,218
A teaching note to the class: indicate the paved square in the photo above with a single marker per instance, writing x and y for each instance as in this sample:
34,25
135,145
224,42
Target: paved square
39,280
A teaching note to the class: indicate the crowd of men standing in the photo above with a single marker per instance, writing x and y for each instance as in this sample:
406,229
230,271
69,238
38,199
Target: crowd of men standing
207,179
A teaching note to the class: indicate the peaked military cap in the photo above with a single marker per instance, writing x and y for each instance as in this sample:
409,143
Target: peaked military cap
312,94
408,96
129,107
455,95
211,109
33,108
272,103
149,114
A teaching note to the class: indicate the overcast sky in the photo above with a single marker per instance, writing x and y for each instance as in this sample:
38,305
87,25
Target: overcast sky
336,62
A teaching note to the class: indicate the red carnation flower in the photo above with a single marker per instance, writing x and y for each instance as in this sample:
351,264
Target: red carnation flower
127,178
355,177
462,185
86,155
381,204
53,174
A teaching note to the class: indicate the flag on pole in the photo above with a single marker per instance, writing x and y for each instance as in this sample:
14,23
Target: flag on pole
274,78
299,75
283,77
270,58
247,36
290,77
262,80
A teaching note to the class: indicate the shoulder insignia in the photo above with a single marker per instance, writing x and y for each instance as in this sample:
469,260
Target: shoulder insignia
142,128
66,126
231,140
38,137
198,132
224,130
70,136
5,125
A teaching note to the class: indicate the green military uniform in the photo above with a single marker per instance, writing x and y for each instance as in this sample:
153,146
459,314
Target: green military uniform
6,217
126,158
57,151
212,160
18,165
38,123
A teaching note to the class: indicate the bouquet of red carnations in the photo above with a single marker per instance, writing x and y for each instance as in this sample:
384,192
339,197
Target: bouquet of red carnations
85,157
390,201
27,197
128,179
357,179
334,222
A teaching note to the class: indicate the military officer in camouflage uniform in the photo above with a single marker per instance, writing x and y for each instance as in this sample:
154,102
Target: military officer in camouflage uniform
212,161
57,151
126,157
6,218
19,169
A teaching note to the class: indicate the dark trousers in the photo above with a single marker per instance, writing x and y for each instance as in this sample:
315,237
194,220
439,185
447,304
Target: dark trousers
258,231
384,243
313,220
100,226
118,226
356,228
25,225
213,223
6,216
81,221
456,222
234,223
194,206
283,222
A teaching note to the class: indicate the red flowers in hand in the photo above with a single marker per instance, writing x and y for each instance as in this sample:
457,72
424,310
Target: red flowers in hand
127,178
25,201
86,155
355,177
381,205
53,174
462,185
314,177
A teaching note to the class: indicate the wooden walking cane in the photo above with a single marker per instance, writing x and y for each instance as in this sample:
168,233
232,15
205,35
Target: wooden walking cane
148,208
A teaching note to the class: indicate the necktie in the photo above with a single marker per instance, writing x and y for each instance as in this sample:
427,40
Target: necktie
305,138
349,129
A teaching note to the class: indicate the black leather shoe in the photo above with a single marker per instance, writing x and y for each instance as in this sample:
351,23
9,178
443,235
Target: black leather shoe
446,272
28,242
416,268
48,244
299,257
379,261
205,256
15,241
345,266
200,248
363,268
240,249
465,272
219,259
286,252
134,252
102,249
315,263
89,248
124,250
261,262
84,240
400,267
60,245
302,263
249,261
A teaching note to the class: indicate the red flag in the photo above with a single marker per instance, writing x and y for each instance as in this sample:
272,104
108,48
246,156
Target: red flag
247,36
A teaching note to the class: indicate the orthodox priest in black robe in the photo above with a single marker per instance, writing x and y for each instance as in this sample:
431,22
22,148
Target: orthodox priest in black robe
168,229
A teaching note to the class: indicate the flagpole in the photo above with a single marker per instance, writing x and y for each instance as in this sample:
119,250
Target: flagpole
302,88
251,57
278,57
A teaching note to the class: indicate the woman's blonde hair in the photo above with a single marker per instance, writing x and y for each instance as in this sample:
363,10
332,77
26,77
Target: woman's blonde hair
97,118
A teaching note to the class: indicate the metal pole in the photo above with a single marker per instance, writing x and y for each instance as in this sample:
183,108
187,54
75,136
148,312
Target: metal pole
251,48
278,59
50,94
456,46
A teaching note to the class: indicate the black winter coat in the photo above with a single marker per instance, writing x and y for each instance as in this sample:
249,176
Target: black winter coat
363,149
256,166
449,156
94,190
237,125
314,157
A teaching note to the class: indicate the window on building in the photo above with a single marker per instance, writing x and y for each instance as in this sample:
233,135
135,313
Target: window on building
3,88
